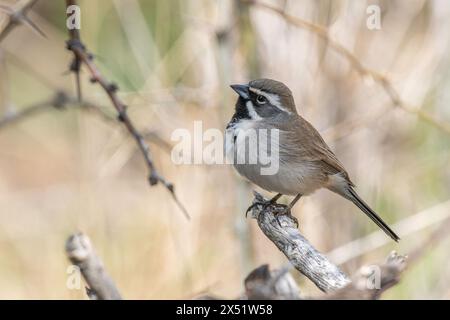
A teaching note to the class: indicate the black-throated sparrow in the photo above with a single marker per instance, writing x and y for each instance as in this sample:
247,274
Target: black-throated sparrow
306,163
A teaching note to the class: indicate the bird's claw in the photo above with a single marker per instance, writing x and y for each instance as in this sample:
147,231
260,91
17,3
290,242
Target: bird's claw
286,212
254,204
265,204
279,210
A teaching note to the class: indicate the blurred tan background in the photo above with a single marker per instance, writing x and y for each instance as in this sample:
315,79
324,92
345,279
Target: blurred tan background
70,170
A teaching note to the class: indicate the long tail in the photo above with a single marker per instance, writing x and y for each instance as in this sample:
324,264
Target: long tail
353,196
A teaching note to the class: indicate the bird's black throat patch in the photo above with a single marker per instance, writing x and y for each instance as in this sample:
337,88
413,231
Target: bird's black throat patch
241,112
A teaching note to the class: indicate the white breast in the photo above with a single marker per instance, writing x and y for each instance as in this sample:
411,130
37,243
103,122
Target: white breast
290,178
235,137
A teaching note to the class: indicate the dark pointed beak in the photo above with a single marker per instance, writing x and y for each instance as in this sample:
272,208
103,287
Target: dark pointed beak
241,90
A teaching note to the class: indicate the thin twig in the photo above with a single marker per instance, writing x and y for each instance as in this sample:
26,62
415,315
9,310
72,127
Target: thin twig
81,56
381,79
17,15
59,101
81,253
75,66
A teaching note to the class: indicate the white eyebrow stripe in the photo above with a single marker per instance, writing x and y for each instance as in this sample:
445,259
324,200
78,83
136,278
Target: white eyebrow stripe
273,99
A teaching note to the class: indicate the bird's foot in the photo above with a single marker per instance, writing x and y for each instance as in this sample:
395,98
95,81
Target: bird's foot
265,204
285,211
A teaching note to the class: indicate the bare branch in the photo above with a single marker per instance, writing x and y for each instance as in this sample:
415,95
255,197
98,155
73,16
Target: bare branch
59,101
81,253
82,57
368,283
75,66
381,79
17,16
62,100
281,230
371,281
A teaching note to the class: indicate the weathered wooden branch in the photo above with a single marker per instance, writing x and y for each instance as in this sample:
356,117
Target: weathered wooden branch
282,231
371,281
81,253
368,283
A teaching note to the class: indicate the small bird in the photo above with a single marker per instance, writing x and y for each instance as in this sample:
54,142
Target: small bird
306,163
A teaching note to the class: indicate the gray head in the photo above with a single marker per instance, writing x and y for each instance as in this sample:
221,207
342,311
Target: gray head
264,98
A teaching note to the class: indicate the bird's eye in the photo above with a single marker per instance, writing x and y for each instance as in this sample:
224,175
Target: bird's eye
261,99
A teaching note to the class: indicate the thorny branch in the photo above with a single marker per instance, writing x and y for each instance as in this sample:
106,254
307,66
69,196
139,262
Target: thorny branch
75,66
83,57
17,15
381,79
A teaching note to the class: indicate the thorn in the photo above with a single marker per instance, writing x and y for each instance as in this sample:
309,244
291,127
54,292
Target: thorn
112,87
153,180
78,80
75,65
122,116
73,44
179,204
60,100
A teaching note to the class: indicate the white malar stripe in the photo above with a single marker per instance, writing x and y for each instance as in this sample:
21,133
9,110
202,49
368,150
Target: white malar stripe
251,111
235,140
274,99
